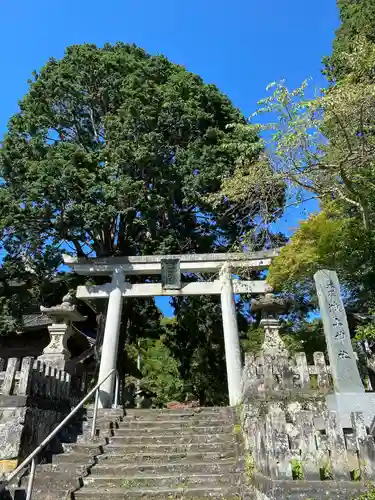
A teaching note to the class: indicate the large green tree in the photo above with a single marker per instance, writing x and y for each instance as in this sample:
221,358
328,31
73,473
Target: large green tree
113,152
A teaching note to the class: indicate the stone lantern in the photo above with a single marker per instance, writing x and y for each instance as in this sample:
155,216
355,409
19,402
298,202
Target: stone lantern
56,354
271,307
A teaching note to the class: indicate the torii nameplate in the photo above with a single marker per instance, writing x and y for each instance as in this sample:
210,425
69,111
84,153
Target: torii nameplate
171,274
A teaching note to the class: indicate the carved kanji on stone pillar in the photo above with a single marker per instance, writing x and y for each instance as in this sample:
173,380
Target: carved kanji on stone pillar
56,353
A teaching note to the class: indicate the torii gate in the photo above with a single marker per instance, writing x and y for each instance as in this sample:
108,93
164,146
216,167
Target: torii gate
171,267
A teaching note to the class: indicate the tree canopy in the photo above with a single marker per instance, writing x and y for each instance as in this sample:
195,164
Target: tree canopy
113,153
357,20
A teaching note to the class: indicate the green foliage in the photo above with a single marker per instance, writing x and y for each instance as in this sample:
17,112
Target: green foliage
355,475
323,145
303,335
239,410
332,239
357,19
128,483
237,430
253,341
297,469
160,371
196,340
369,495
297,335
24,288
326,472
318,243
365,332
114,151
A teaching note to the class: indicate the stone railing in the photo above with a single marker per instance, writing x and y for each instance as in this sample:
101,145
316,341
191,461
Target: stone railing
34,398
265,373
34,379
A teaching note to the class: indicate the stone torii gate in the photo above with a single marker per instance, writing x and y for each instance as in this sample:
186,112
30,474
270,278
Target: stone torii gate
170,268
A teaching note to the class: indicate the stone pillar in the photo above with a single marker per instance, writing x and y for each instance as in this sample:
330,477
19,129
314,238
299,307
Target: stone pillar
56,354
108,359
349,393
231,339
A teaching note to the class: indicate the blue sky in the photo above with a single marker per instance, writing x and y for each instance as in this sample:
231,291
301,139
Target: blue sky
240,45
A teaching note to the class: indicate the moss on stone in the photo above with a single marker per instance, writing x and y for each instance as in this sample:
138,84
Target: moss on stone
237,429
249,467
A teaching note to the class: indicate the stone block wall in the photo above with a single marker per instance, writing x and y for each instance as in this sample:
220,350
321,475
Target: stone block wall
294,447
34,398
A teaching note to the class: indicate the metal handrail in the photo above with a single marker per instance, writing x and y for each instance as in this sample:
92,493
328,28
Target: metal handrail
43,444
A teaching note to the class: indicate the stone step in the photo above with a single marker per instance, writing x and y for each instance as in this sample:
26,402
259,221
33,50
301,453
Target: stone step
89,448
73,458
167,448
172,480
189,419
174,423
199,409
100,421
102,424
228,465
107,413
178,416
153,454
49,481
214,493
68,468
175,439
124,457
167,430
41,494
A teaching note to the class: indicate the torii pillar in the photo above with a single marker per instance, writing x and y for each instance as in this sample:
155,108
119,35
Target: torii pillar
231,338
111,339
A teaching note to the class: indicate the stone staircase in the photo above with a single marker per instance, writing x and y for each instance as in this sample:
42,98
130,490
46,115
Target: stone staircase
149,454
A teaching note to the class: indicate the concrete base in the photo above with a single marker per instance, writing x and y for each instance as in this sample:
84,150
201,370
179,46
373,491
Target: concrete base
347,402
